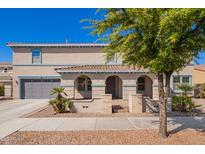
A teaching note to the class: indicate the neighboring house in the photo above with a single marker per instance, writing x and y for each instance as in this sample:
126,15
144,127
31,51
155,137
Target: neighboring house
6,71
82,71
199,74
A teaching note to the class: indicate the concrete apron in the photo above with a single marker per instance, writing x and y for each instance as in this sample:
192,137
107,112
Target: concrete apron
97,123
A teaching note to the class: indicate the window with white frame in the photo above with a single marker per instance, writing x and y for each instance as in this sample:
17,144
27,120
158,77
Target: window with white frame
36,56
181,79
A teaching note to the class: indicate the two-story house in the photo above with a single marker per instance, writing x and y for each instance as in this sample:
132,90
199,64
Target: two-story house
82,71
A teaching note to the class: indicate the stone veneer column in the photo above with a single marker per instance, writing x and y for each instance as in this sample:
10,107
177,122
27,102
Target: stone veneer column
135,103
106,103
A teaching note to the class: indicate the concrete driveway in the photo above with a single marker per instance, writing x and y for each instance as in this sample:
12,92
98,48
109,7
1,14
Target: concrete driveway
11,109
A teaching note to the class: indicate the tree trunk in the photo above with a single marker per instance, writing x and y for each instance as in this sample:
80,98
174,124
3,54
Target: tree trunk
162,108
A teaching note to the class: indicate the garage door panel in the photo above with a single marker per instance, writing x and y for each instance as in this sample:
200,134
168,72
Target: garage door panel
36,89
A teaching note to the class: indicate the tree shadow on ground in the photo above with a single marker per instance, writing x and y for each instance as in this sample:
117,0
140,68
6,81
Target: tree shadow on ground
195,123
176,124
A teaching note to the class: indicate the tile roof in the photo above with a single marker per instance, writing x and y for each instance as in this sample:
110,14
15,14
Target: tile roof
200,67
100,68
15,44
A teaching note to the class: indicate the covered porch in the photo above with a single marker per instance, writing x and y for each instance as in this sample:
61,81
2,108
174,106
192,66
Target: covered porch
92,81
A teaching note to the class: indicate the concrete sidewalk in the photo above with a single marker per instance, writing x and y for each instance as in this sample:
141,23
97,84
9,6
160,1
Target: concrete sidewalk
97,123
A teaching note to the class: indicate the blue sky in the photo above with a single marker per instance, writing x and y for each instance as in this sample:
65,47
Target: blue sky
46,25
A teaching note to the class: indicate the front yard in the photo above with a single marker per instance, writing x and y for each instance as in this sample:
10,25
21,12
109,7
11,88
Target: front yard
186,137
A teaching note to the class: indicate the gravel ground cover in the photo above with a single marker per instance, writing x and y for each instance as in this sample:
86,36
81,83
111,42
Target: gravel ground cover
49,112
185,137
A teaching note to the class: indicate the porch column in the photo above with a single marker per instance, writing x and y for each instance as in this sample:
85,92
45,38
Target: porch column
129,87
136,103
98,88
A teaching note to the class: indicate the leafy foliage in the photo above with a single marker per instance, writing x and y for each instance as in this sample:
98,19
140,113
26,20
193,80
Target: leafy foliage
1,90
60,104
185,88
158,39
184,103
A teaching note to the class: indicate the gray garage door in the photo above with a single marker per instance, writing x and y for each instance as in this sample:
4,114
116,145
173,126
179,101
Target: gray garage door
38,88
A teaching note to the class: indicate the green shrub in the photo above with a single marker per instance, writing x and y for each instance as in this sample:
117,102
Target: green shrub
183,104
60,104
1,90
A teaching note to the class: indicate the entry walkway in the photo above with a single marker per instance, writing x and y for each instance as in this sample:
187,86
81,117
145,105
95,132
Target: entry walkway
98,123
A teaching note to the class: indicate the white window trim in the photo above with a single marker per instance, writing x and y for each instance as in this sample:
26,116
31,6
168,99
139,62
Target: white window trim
181,76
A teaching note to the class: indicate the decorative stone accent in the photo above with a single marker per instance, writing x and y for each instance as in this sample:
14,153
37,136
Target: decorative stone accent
135,103
107,103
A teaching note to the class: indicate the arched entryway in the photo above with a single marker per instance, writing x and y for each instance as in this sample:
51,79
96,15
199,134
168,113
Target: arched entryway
144,86
114,86
83,87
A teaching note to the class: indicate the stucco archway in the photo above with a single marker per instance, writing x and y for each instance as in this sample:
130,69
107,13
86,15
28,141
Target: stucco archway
83,87
113,85
144,86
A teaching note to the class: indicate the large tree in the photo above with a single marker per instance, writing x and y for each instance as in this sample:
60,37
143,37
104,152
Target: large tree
161,40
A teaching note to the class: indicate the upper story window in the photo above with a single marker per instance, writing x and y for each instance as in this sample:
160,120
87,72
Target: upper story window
36,56
181,79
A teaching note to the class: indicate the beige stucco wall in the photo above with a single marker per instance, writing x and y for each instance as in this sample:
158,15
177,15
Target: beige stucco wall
68,56
199,76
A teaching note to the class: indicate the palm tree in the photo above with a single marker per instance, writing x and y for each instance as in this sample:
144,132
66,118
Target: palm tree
58,91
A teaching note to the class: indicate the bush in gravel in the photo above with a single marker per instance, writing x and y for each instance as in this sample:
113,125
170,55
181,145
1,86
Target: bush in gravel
60,104
183,103
1,90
